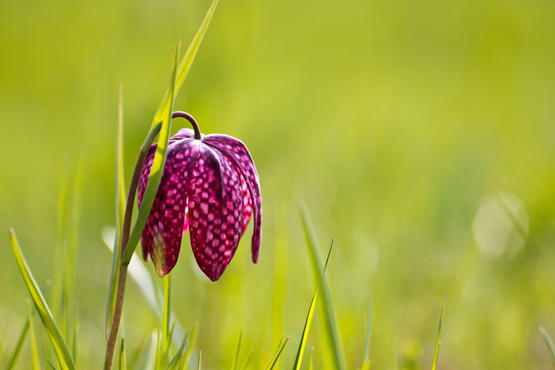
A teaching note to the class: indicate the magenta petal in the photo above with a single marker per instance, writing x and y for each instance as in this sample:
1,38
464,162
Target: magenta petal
235,150
161,238
215,213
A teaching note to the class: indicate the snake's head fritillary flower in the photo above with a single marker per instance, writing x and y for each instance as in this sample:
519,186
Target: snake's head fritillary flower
210,187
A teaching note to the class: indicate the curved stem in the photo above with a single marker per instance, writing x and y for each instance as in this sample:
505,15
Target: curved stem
191,119
112,337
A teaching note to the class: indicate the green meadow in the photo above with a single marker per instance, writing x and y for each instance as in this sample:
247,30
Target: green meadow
419,136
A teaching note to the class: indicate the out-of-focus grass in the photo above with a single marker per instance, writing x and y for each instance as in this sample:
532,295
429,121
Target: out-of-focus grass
394,120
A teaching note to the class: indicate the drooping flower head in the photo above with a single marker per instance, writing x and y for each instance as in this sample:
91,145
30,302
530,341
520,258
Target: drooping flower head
210,187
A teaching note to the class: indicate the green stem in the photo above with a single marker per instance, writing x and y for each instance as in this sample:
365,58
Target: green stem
110,348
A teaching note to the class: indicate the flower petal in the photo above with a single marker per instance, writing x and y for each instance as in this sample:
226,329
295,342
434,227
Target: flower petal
247,204
184,133
215,211
235,150
161,238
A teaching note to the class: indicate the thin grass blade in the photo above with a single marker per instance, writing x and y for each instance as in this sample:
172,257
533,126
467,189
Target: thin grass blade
199,360
247,359
308,320
438,339
190,346
366,362
548,342
33,339
69,319
156,171
60,245
153,295
60,347
166,332
120,212
330,324
122,359
235,363
278,352
176,360
18,346
184,66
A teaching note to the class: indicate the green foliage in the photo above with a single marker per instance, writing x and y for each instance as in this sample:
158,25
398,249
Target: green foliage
60,347
19,344
393,120
438,339
273,362
548,342
323,290
308,320
33,339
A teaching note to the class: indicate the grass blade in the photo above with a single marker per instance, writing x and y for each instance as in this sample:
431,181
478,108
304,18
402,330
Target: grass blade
247,359
366,362
279,350
176,360
33,337
18,346
155,177
548,342
323,290
438,339
120,212
308,320
190,346
122,360
166,334
184,66
199,360
58,342
153,295
235,363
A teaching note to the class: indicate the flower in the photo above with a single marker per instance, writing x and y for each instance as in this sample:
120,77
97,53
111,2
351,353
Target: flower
209,186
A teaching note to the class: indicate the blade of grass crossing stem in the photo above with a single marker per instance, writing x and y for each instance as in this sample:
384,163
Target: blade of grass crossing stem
323,290
235,363
438,339
158,164
366,361
189,349
308,320
184,66
119,213
33,338
548,342
176,360
60,347
278,352
122,360
18,346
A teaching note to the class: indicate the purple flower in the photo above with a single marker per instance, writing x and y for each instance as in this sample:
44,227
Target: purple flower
210,186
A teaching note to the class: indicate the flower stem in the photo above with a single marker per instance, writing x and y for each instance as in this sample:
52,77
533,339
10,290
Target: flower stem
191,119
112,337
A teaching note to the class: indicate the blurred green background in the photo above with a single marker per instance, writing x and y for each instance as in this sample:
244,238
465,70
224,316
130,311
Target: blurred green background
421,135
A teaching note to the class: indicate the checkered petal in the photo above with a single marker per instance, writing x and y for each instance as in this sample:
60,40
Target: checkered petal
161,238
239,155
215,211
